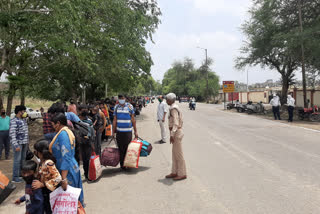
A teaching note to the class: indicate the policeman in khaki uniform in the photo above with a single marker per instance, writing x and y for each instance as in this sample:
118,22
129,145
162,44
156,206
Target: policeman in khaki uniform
179,171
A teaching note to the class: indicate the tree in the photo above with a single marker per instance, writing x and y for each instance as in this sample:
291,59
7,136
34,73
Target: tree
274,38
59,48
267,43
186,80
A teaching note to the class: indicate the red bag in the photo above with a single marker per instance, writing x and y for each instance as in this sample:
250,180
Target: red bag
95,169
133,154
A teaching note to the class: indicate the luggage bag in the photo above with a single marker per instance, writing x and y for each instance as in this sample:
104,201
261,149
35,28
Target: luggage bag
110,156
133,154
6,187
146,148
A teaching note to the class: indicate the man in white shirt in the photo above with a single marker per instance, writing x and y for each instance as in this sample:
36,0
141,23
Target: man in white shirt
290,102
276,104
161,117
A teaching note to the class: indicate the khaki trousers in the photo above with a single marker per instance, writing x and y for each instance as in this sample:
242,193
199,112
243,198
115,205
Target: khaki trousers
163,131
178,162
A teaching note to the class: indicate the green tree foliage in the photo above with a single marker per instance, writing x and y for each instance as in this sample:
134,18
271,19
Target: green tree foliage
59,47
274,39
186,80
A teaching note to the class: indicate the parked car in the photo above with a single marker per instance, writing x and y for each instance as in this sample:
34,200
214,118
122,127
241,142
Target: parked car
184,99
32,114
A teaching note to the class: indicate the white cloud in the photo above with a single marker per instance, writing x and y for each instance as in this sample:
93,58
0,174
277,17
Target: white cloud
178,38
232,7
170,47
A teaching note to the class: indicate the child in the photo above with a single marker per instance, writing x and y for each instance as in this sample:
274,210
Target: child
33,198
49,176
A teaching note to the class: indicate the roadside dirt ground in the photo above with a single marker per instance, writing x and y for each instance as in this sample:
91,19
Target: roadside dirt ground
284,116
35,133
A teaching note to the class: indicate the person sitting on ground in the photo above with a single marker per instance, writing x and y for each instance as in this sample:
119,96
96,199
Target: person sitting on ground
63,149
33,198
49,177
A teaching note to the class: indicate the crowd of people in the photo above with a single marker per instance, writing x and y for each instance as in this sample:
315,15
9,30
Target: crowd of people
58,154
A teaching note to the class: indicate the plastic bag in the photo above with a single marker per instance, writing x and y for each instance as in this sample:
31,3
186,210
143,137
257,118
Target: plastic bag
95,169
133,153
109,131
65,201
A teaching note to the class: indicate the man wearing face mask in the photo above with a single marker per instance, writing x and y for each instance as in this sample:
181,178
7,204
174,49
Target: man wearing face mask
19,139
4,134
161,116
123,122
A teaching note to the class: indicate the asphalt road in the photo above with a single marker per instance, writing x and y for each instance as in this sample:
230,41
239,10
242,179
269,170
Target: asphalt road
236,164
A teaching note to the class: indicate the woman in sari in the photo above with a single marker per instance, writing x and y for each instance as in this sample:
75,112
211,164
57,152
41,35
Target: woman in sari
63,149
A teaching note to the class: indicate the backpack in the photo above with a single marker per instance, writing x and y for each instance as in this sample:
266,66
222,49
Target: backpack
146,148
84,133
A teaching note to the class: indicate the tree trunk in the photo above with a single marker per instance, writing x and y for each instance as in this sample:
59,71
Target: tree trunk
23,97
12,91
285,87
1,102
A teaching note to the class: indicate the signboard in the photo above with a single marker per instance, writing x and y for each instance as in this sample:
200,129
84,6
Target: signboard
228,86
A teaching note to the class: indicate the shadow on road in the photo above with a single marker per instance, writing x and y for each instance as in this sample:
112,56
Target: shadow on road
107,173
110,172
165,181
135,171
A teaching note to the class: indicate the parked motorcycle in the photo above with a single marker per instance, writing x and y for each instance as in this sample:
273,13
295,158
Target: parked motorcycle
230,106
313,114
241,108
256,108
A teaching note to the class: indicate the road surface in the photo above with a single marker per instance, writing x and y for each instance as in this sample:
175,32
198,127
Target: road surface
236,163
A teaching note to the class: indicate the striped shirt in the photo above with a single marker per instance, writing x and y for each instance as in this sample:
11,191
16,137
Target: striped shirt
18,132
123,114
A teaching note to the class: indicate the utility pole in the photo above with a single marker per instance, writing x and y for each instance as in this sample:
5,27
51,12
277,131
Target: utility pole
247,80
207,71
303,59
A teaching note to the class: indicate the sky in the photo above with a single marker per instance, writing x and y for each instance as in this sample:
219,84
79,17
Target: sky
211,24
